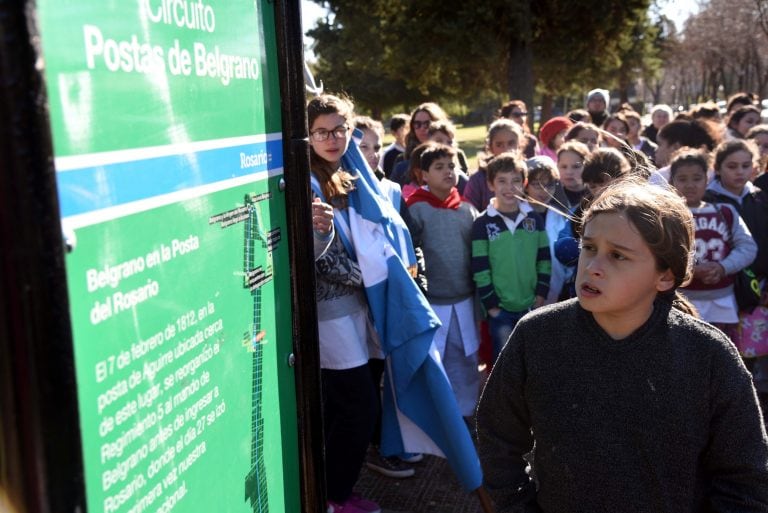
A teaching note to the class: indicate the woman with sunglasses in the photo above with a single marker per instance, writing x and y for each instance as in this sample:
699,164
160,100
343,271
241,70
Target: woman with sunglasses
421,117
516,111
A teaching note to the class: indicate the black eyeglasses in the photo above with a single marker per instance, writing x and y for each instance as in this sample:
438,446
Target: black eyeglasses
322,134
519,114
421,124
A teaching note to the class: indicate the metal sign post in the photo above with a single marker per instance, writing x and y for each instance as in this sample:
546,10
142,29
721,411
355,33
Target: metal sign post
166,358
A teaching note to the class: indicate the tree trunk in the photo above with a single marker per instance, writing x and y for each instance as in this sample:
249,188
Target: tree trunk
759,74
726,83
546,107
520,80
624,83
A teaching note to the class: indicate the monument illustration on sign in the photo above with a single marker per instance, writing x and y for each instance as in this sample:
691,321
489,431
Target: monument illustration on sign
168,161
257,241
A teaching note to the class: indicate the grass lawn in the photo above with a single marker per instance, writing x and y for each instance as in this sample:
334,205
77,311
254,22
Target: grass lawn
471,139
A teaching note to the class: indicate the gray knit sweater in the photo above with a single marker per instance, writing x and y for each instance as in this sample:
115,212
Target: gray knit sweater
445,237
665,420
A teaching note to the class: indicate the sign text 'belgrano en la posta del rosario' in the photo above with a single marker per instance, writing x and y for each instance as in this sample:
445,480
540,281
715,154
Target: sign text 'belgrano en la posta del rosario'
167,139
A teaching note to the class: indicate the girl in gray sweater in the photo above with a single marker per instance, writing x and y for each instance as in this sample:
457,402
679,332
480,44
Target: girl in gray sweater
624,400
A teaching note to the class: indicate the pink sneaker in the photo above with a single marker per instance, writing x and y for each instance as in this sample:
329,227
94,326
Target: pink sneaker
354,504
364,504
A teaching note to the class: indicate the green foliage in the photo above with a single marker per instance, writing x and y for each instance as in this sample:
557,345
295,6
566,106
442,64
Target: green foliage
595,34
402,51
351,46
637,51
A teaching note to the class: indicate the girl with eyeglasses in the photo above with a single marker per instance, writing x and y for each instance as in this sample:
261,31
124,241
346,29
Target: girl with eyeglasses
545,194
350,400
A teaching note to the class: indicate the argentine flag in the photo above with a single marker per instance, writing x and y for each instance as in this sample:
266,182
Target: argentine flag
420,413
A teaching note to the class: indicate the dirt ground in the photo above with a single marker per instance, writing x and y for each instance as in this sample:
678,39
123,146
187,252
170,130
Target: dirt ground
433,489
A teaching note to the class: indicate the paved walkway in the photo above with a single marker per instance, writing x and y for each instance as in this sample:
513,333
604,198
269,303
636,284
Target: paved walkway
434,489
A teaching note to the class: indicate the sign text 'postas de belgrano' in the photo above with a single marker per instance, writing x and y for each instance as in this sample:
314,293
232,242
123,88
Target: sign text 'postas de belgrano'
168,149
132,56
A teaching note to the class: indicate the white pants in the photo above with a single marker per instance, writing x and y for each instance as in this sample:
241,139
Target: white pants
461,369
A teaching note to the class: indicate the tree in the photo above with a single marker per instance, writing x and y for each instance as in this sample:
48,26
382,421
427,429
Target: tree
456,49
352,56
577,49
666,41
705,67
638,55
762,10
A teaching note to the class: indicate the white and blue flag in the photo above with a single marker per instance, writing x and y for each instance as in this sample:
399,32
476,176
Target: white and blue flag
420,412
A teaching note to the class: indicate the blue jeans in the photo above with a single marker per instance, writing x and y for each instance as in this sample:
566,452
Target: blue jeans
501,328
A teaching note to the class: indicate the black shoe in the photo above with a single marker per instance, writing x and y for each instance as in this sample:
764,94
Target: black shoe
390,467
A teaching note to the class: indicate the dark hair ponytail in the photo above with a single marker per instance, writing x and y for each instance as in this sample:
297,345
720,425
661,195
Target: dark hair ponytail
680,302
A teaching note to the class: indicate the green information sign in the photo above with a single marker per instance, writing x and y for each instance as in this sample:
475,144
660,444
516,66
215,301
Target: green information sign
167,138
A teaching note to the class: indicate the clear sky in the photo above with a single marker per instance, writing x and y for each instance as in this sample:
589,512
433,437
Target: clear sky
310,11
679,11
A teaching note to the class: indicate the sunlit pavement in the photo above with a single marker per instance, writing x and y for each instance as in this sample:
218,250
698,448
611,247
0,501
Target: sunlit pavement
432,489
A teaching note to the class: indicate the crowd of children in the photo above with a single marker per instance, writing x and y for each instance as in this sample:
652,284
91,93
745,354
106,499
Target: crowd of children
635,236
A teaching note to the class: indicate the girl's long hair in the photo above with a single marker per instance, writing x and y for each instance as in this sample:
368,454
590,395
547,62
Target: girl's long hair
665,223
334,183
436,113
728,148
508,108
737,115
693,133
605,164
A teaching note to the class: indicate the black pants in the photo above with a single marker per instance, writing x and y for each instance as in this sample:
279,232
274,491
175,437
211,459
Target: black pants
376,366
350,404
